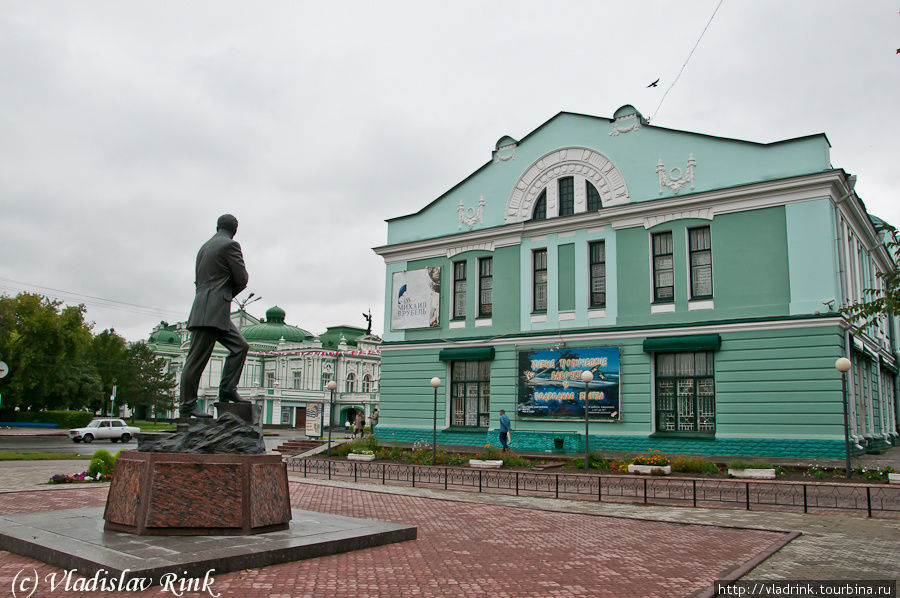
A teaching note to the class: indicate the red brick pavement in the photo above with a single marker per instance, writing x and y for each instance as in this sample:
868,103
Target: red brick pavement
467,549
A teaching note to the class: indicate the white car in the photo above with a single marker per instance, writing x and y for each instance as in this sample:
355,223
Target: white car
111,428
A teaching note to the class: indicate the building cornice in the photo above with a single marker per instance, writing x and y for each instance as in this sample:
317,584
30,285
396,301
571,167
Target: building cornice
704,205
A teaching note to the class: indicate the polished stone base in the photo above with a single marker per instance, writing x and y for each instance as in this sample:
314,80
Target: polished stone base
197,494
75,539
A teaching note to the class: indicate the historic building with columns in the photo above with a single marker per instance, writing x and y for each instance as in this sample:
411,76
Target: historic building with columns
288,369
663,289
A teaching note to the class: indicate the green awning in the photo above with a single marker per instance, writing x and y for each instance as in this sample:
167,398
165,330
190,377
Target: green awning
696,342
467,354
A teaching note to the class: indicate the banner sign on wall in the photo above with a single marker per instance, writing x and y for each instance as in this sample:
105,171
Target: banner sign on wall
550,384
416,299
314,420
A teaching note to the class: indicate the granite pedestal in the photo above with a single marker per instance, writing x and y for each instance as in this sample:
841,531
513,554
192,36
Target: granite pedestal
197,494
76,539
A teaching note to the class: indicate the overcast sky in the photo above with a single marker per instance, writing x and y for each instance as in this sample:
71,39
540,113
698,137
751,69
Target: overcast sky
127,128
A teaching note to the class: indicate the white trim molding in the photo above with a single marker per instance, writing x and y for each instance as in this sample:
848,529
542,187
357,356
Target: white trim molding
482,322
565,316
470,216
699,305
538,318
700,214
662,308
454,324
569,161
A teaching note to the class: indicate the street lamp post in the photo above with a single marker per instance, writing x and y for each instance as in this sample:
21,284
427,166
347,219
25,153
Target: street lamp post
331,386
435,383
843,366
587,377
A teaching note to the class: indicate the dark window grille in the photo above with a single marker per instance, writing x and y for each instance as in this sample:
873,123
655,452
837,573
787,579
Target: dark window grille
685,393
540,207
566,186
593,198
459,290
663,268
485,287
470,394
539,276
597,251
700,250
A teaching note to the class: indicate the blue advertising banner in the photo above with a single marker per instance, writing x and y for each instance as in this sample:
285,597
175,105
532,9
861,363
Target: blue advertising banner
550,384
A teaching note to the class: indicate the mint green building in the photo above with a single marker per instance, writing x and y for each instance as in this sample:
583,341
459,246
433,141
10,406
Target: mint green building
698,278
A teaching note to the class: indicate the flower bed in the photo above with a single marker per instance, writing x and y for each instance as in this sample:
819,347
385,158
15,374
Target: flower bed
78,478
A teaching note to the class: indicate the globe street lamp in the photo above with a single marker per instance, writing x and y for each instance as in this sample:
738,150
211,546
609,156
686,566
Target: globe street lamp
587,377
435,382
843,366
331,386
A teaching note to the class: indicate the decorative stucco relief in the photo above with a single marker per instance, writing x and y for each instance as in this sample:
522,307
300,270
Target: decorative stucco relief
619,127
571,161
675,179
485,246
701,214
470,216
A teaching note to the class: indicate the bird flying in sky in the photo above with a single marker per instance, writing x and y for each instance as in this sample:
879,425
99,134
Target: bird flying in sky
654,83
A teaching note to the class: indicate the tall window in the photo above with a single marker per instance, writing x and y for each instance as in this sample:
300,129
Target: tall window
297,379
367,383
326,378
539,275
270,379
663,268
470,393
485,287
540,207
597,251
593,198
685,393
351,382
566,186
459,290
700,250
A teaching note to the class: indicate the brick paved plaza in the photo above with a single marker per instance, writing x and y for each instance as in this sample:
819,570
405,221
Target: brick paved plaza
490,545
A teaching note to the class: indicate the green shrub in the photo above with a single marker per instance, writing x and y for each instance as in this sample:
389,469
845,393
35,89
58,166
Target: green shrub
694,465
511,459
102,462
816,472
64,420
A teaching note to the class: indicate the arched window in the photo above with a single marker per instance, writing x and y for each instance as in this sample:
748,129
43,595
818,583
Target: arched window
593,198
540,207
351,382
367,383
566,187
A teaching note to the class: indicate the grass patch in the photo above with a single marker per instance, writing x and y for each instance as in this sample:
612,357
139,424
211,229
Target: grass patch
14,456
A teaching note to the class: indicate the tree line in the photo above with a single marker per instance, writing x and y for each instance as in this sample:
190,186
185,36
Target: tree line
56,361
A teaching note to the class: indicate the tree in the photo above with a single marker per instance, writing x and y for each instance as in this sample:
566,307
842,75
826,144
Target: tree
880,302
148,381
109,355
46,348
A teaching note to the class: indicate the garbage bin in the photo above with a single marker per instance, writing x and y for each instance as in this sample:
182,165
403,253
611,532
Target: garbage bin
558,443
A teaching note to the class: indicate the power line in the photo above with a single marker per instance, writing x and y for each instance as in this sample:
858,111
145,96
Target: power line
687,60
98,302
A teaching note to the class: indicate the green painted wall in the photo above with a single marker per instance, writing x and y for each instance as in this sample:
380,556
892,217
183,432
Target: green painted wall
566,284
772,385
721,163
812,255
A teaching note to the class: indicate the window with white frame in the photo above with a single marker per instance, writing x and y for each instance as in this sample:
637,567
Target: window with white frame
459,290
485,287
700,255
566,189
470,393
367,383
270,379
685,393
539,277
351,382
593,197
663,268
297,379
597,257
326,378
540,207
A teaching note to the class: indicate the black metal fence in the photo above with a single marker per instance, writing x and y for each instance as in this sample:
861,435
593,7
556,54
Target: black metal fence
879,500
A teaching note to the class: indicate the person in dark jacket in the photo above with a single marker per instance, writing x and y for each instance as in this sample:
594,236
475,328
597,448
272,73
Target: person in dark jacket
220,275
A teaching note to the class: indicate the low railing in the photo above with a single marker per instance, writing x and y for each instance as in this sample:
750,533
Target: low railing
873,500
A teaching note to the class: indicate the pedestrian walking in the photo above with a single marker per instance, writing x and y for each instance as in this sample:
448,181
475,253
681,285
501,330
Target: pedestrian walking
359,424
504,430
373,420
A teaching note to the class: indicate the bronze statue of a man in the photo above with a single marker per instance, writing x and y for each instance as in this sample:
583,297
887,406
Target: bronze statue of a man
220,275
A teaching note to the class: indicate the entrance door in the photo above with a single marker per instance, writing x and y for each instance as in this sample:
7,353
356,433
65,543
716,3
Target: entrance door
300,417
